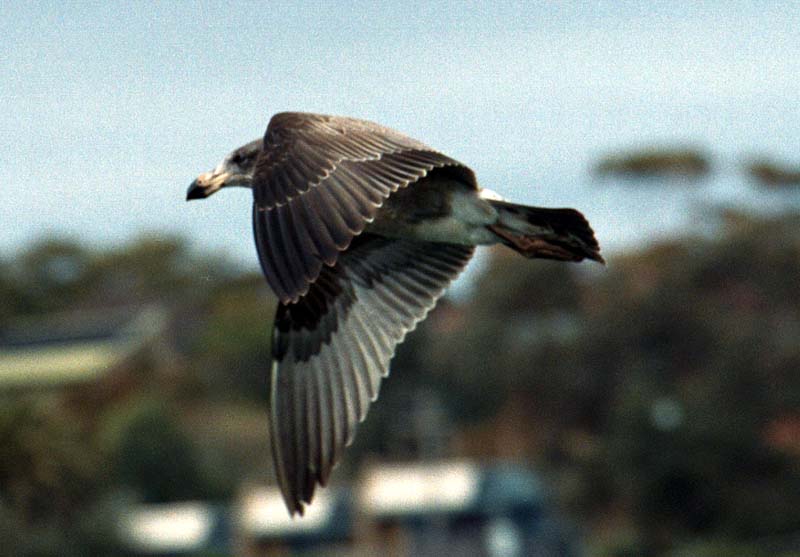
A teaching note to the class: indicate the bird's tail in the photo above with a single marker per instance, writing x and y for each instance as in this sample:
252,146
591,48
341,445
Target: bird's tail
534,232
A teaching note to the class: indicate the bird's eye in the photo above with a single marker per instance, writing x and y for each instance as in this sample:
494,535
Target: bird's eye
237,158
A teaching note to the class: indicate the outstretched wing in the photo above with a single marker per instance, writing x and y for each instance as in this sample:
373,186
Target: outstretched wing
332,348
318,181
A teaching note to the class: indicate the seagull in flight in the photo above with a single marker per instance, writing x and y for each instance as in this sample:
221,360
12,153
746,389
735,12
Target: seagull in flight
359,230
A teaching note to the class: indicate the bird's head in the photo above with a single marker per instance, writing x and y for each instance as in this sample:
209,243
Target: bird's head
236,169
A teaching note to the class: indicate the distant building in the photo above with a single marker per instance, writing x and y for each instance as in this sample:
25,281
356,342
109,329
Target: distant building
265,528
88,359
174,529
460,508
398,510
413,510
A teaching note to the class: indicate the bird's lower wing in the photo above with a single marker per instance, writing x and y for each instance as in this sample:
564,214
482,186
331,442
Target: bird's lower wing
332,348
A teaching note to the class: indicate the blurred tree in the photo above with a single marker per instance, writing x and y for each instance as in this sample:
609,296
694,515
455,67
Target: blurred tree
54,274
696,331
516,336
11,299
150,454
231,355
51,485
676,359
665,387
43,470
155,267
49,275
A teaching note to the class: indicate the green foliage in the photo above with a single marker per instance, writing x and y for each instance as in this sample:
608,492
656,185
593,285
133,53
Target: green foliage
47,276
707,327
53,275
151,454
51,485
43,470
723,548
705,331
11,299
231,354
155,266
654,384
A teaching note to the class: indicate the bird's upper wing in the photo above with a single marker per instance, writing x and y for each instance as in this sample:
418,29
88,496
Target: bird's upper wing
318,181
333,346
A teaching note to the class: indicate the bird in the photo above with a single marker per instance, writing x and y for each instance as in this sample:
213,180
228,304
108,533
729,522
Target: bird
359,230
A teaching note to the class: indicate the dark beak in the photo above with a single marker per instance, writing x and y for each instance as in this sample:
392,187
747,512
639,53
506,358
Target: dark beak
195,191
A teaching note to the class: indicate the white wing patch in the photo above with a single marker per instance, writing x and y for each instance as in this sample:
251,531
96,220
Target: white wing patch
490,195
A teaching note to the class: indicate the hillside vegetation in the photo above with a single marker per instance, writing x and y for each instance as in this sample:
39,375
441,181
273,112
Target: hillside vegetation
660,396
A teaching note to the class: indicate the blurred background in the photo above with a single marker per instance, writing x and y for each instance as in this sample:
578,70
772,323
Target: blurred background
649,407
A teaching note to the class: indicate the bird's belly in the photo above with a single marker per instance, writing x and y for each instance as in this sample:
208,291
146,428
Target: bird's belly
443,229
460,219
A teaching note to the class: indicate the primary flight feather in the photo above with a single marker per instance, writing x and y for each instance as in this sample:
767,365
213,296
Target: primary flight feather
359,230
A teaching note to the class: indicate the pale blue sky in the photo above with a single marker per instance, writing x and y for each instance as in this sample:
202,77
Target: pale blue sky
109,111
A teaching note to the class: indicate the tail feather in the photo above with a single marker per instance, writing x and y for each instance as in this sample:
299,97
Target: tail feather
562,234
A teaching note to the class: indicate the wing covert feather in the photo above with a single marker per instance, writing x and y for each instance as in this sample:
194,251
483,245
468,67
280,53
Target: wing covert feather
318,182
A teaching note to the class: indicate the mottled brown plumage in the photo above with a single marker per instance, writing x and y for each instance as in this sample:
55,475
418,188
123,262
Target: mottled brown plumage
359,230
318,182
